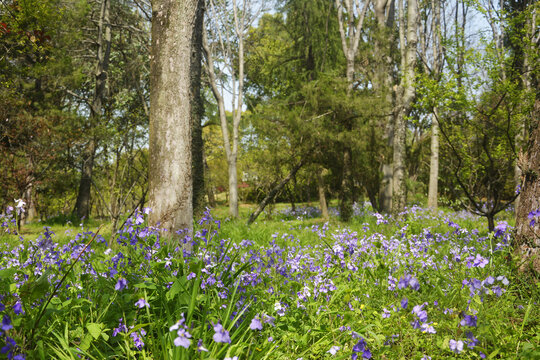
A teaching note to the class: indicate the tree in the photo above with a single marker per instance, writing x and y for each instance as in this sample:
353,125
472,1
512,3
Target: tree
34,65
350,30
227,43
405,95
170,181
197,144
95,104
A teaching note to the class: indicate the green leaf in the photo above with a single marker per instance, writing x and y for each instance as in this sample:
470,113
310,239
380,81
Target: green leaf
86,342
94,329
175,289
146,285
7,273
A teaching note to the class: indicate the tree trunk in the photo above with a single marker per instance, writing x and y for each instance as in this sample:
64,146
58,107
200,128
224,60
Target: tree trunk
322,194
208,184
350,28
83,203
345,195
434,164
384,14
528,237
170,180
274,192
197,114
385,196
233,187
29,196
406,96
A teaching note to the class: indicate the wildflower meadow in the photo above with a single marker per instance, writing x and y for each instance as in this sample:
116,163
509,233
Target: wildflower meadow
421,285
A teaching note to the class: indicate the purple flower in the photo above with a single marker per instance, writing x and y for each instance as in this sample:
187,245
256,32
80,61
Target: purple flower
183,338
414,284
256,323
404,303
456,346
142,303
200,346
121,284
191,276
121,328
421,314
500,229
404,282
427,328
469,320
472,340
480,261
221,335
17,308
2,307
10,344
137,339
361,347
6,323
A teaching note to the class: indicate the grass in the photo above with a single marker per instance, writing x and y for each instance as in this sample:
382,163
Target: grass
312,286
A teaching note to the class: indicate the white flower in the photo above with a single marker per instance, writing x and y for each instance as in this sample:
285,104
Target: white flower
20,205
333,350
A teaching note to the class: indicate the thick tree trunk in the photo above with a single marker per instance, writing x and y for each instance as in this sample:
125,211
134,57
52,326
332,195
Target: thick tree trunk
528,237
274,192
322,194
170,180
197,113
434,164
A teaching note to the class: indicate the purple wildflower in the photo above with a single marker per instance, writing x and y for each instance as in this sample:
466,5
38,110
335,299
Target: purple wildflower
121,284
142,303
469,320
256,323
404,303
17,308
6,323
182,339
221,335
456,346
